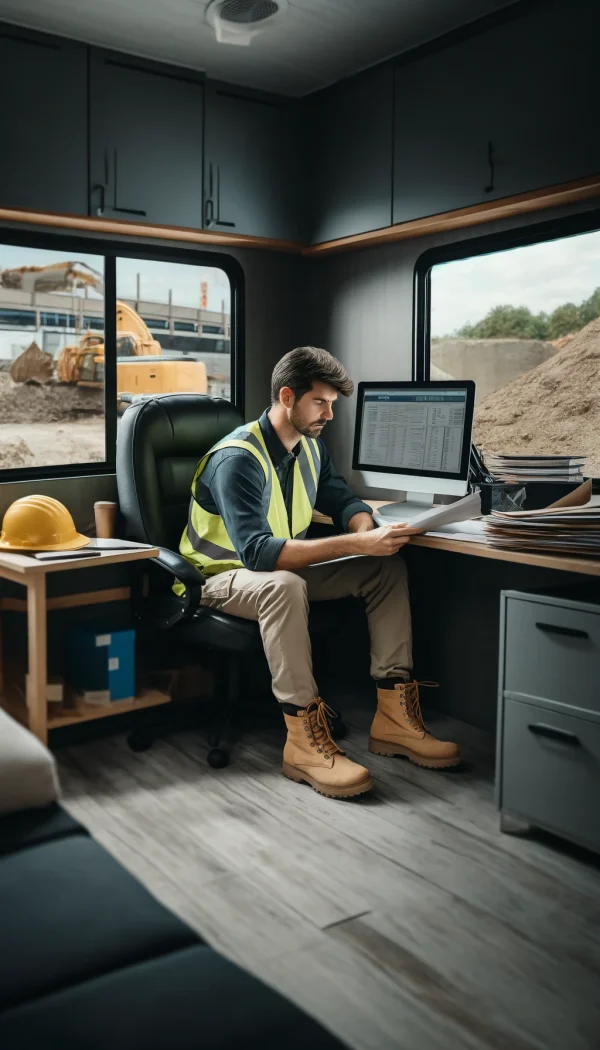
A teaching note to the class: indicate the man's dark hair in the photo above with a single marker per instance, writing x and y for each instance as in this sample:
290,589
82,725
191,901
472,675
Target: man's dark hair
307,365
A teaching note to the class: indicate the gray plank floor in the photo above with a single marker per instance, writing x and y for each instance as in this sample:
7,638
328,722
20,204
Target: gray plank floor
401,920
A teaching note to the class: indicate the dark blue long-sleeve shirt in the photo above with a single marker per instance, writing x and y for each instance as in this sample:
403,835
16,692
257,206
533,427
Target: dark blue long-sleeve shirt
232,485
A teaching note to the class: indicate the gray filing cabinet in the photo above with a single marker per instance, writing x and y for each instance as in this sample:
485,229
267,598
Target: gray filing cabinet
548,747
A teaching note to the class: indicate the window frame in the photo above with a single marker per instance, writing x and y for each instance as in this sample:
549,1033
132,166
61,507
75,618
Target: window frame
113,249
535,233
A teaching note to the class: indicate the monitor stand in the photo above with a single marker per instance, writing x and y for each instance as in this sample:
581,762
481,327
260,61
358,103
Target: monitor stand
401,512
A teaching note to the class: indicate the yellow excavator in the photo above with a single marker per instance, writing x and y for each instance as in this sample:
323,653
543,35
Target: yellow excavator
141,366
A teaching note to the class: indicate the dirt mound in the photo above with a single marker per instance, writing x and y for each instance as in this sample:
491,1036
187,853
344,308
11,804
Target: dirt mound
52,403
15,454
51,444
555,408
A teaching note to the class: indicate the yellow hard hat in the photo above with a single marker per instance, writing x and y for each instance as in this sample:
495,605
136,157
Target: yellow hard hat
39,523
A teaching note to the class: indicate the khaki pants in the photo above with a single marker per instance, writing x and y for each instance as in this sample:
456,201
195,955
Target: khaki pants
279,601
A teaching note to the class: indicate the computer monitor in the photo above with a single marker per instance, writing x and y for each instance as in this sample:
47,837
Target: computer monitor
415,437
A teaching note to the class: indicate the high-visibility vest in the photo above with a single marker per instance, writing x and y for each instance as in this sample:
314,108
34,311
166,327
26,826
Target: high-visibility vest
205,541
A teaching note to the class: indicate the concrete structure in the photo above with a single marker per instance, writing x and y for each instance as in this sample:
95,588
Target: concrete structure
56,319
492,363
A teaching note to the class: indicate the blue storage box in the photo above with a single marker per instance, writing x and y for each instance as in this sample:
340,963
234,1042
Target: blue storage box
101,663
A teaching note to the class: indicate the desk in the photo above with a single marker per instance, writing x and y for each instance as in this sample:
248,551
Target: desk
564,563
455,599
31,574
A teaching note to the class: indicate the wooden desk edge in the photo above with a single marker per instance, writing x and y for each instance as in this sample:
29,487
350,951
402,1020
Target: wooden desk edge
588,566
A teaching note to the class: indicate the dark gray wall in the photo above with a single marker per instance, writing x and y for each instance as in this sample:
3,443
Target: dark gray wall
274,288
360,309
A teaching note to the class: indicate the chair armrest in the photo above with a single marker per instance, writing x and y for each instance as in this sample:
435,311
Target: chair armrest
191,577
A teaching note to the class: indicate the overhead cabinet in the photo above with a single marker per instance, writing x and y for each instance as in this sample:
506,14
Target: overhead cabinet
252,178
43,122
349,174
547,96
442,132
145,141
508,110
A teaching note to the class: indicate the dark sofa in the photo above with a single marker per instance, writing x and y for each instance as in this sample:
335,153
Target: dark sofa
89,960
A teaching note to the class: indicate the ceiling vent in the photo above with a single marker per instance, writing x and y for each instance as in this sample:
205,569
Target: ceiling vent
238,21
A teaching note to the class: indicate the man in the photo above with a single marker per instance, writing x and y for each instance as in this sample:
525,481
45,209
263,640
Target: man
253,496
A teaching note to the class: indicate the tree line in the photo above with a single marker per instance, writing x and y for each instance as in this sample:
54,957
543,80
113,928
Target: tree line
518,322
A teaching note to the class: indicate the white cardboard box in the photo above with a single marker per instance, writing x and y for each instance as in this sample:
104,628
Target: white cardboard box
55,689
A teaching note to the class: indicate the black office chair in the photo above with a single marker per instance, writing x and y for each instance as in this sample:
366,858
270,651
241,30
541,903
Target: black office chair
161,440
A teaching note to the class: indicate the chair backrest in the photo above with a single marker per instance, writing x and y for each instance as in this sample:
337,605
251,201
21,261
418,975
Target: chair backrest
160,442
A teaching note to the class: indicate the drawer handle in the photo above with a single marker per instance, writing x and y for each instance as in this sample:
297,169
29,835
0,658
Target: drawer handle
555,628
541,729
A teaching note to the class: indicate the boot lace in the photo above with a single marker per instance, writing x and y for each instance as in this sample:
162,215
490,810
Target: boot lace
411,703
318,716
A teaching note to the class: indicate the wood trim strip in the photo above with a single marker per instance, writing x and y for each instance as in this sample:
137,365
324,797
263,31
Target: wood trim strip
127,228
462,218
70,601
475,215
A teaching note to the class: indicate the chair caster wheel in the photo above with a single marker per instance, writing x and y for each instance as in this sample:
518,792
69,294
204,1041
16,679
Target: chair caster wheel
217,758
140,740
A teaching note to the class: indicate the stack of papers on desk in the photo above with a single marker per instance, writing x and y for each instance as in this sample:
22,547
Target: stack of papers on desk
555,530
517,468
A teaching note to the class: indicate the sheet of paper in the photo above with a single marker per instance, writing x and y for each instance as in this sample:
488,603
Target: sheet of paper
333,561
468,531
464,509
117,545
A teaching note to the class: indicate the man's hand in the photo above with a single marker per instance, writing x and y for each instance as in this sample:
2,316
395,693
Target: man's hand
384,541
297,554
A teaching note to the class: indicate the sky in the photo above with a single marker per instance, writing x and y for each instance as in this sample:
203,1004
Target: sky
539,276
156,277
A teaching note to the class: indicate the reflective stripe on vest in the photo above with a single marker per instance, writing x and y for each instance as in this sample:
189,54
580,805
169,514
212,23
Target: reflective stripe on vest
206,542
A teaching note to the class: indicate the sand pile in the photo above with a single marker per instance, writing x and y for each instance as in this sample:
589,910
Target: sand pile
555,408
53,403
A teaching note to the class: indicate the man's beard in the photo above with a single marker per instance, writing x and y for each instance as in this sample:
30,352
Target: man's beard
304,428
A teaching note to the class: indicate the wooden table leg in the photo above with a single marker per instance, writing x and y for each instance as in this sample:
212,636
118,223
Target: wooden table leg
37,703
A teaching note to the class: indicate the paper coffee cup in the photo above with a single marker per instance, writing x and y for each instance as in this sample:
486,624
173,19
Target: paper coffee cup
105,514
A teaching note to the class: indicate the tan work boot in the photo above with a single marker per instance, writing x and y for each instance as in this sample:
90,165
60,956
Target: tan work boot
311,756
398,729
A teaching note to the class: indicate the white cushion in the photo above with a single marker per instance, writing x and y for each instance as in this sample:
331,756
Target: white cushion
28,776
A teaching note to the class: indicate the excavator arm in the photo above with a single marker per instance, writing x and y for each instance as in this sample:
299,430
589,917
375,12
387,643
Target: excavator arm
58,277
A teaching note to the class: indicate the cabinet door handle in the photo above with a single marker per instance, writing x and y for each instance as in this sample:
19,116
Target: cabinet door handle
541,729
492,166
209,204
556,628
102,204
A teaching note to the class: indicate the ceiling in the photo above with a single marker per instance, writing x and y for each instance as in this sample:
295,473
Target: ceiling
316,43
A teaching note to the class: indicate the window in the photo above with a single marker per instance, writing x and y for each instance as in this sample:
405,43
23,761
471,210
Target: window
180,300
64,361
48,417
522,318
